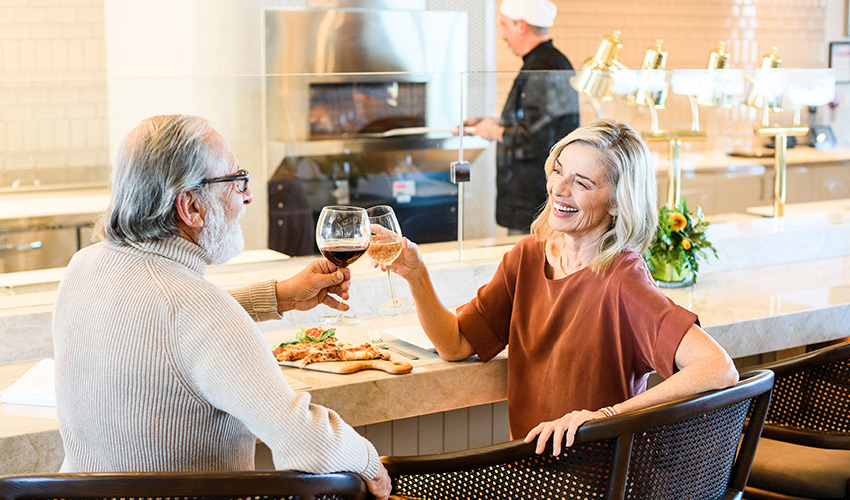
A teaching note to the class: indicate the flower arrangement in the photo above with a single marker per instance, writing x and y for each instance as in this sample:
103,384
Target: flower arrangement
679,243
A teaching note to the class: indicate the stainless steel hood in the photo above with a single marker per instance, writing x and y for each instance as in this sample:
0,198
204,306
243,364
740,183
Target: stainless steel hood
341,45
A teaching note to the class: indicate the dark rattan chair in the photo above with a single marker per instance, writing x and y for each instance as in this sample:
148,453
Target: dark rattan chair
686,449
805,449
271,485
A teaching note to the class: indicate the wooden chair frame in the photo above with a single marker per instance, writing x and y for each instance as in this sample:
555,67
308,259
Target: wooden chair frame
183,484
623,428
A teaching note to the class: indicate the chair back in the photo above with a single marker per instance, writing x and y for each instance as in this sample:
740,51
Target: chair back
272,485
683,449
811,398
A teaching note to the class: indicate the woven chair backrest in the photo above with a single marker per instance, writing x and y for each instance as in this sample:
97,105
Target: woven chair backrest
812,391
683,449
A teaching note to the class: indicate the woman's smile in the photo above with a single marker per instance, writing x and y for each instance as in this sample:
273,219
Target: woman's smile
563,210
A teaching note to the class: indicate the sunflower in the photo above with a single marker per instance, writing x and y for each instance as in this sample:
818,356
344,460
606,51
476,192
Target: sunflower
686,243
679,221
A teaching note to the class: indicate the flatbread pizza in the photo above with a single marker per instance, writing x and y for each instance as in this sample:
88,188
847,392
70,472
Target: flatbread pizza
314,344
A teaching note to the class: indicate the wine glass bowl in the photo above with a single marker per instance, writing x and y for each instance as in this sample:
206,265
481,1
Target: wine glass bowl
342,235
384,248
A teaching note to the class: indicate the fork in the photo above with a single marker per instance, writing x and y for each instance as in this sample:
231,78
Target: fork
376,340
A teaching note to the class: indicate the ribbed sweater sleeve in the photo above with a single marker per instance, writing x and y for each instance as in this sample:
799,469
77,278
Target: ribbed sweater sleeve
258,299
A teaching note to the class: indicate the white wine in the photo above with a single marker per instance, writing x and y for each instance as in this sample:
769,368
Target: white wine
384,249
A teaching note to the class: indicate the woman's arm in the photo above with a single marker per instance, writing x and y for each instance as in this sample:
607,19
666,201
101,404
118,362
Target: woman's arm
703,366
439,323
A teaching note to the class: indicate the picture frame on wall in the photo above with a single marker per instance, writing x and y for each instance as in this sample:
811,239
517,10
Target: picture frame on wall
839,59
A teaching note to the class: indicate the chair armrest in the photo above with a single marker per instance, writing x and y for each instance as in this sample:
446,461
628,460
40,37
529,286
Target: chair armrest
830,440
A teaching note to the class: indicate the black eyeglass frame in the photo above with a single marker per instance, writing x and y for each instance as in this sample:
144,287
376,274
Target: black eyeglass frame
241,176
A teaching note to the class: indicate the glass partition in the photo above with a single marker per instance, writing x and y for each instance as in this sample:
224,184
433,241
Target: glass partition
364,139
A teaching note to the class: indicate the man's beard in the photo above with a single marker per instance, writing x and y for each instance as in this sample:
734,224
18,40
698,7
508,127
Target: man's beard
220,238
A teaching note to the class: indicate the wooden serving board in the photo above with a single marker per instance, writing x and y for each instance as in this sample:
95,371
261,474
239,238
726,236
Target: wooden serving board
394,367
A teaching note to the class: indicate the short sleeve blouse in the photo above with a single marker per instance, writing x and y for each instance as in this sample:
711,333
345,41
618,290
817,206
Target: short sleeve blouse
580,342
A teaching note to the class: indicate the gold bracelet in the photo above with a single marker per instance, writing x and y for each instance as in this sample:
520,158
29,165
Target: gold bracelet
608,411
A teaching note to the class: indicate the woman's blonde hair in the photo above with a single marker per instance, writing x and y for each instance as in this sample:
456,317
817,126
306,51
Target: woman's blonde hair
631,177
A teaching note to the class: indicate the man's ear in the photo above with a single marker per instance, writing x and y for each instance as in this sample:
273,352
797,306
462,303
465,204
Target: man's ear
190,209
523,25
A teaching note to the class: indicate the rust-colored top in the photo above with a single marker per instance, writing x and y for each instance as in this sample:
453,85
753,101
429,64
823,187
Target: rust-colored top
580,342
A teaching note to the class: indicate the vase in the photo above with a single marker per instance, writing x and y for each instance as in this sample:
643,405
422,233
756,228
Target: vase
668,275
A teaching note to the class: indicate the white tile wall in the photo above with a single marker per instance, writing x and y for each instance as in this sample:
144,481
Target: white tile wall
52,88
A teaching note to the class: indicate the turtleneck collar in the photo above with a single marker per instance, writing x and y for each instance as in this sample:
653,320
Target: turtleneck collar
175,248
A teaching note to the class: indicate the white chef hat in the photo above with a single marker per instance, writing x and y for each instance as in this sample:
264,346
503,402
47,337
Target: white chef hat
535,12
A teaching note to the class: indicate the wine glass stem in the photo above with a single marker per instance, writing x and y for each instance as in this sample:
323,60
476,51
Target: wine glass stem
392,290
342,302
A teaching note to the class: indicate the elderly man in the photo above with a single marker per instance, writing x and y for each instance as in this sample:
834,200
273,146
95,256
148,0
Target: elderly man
541,108
159,370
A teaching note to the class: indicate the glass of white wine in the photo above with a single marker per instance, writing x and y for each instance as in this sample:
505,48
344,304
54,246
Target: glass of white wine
342,235
384,248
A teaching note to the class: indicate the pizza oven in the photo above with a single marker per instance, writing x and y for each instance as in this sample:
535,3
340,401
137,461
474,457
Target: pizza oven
361,105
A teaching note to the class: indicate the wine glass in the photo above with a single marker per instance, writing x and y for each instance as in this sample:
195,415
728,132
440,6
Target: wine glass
342,235
384,248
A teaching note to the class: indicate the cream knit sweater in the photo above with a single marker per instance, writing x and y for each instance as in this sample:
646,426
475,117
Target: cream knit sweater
159,370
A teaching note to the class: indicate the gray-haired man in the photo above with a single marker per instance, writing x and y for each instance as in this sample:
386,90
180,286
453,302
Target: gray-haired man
156,368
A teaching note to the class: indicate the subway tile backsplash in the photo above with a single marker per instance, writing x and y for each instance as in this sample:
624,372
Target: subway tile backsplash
53,94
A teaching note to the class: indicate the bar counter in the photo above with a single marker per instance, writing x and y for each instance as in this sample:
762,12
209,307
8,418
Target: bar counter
748,308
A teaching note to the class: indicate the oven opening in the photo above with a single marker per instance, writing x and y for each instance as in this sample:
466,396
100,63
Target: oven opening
339,110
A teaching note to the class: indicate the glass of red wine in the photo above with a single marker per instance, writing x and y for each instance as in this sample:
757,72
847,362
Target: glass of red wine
342,235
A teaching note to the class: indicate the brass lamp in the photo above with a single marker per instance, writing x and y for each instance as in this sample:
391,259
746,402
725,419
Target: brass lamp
759,87
780,133
716,96
656,58
595,79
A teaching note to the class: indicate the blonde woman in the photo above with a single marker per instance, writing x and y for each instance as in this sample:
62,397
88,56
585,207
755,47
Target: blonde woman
585,322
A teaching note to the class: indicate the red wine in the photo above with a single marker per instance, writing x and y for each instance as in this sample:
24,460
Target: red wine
343,255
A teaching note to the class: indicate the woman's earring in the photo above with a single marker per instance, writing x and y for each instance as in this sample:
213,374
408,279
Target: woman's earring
613,220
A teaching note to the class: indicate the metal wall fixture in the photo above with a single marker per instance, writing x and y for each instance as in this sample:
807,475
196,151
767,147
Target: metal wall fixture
656,59
765,92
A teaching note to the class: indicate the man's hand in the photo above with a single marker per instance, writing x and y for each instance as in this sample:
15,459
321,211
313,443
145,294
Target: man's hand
489,129
313,286
380,486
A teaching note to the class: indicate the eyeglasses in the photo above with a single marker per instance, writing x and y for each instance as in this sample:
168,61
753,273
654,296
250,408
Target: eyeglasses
240,177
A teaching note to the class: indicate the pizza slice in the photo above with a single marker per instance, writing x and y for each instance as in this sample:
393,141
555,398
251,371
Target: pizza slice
314,344
342,352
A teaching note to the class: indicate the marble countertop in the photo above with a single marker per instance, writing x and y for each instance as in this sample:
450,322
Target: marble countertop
747,311
779,283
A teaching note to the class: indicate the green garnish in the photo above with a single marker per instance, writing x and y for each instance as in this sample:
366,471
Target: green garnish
302,336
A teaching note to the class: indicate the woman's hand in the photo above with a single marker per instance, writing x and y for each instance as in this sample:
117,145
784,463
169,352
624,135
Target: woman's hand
409,265
568,424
